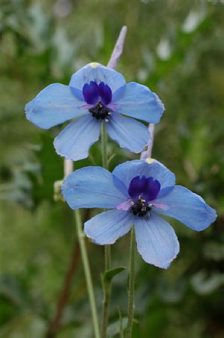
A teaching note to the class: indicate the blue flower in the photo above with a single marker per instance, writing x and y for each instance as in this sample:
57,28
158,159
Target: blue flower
138,193
94,95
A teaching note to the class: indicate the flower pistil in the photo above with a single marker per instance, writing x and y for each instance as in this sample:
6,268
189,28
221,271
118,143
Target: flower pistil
100,112
141,207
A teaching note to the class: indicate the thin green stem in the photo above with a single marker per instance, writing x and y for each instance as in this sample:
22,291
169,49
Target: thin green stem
106,304
86,266
107,248
107,257
131,285
121,325
104,145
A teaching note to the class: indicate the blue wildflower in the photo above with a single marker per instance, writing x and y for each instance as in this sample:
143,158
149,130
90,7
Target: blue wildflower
138,193
94,95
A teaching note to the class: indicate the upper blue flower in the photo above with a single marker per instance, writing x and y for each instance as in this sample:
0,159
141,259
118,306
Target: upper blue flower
138,193
95,94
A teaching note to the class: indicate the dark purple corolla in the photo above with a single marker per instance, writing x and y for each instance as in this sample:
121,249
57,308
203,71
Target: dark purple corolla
96,94
138,194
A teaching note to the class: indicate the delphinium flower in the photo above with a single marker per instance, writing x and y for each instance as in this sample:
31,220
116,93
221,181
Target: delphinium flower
94,95
138,194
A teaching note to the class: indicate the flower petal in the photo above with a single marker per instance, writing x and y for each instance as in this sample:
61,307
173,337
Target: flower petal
188,208
54,105
137,185
156,240
126,171
90,92
98,73
147,188
105,93
128,133
74,141
91,187
140,102
107,227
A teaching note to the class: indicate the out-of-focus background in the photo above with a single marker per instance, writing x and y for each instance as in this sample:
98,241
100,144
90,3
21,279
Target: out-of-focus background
174,47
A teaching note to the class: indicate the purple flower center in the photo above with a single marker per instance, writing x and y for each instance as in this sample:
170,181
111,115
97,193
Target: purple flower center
142,191
98,95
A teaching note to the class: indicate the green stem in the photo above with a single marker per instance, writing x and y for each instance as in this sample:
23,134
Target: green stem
104,144
106,304
121,325
86,266
107,248
131,285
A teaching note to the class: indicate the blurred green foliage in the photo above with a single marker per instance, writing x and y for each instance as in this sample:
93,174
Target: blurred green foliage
174,47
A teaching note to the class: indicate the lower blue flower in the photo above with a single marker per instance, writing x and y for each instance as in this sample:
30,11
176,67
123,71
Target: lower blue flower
138,194
96,94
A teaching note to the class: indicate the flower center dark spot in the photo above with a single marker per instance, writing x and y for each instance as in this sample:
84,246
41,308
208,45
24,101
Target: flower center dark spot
140,207
100,112
142,191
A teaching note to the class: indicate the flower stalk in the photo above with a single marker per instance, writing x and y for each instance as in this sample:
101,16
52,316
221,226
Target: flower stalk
131,284
148,152
86,267
68,168
107,248
104,145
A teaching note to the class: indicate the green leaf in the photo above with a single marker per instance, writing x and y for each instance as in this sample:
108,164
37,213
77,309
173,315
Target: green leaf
108,275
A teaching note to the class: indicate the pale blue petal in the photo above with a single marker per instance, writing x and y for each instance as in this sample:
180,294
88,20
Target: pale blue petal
74,141
188,208
156,240
107,227
91,187
119,93
126,171
128,133
139,102
54,105
98,73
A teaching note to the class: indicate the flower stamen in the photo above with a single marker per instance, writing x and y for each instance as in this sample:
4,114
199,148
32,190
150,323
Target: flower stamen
100,112
140,207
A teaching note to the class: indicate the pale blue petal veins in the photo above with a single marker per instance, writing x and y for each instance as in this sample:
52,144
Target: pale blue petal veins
98,73
126,171
139,102
107,227
91,187
54,105
188,208
156,240
74,140
128,133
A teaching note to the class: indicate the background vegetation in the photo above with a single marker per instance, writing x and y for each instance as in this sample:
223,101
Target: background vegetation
174,47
